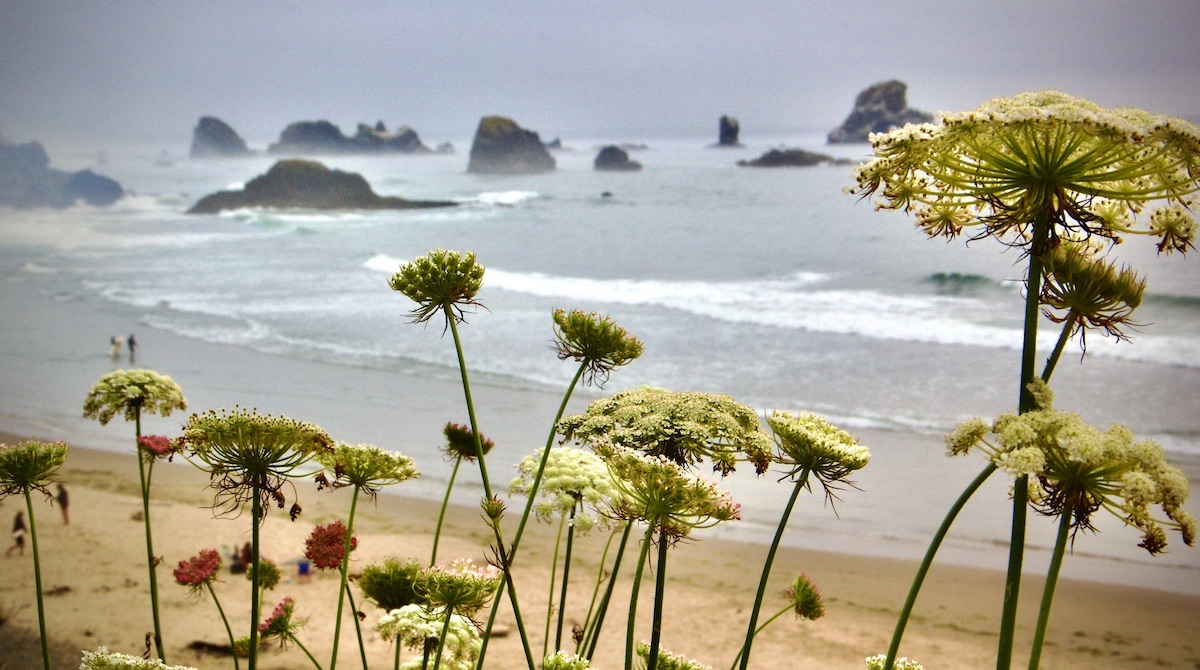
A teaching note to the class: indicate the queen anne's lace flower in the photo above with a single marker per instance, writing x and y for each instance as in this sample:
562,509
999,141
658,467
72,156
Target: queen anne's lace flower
29,465
807,442
877,662
682,427
571,478
1080,285
441,280
595,340
561,660
129,392
1003,165
462,586
667,660
806,599
326,545
158,446
282,623
103,659
460,442
366,467
391,584
659,492
198,571
412,625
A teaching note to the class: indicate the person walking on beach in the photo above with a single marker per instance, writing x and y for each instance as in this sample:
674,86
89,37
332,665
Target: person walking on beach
116,344
63,500
18,535
132,342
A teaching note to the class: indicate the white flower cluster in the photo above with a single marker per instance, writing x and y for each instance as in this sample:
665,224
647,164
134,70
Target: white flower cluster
667,660
877,662
411,625
561,660
103,659
571,477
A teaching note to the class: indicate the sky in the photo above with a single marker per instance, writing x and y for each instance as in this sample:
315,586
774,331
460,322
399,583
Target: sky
93,71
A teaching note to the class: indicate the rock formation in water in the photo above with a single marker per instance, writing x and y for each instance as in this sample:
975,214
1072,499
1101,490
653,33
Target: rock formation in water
615,159
503,147
306,138
727,132
306,184
27,180
878,109
212,137
793,158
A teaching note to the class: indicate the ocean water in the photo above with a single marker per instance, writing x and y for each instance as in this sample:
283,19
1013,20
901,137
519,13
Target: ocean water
770,285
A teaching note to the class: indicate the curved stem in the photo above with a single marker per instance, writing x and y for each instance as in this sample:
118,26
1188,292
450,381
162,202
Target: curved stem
758,630
337,625
1056,560
927,562
633,597
1063,337
37,581
255,603
751,631
562,598
608,591
660,584
225,620
152,564
304,649
362,648
550,596
437,534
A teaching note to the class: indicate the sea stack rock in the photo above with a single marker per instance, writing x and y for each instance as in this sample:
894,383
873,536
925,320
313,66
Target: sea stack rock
793,158
306,184
615,159
878,109
503,147
727,132
27,180
307,138
212,137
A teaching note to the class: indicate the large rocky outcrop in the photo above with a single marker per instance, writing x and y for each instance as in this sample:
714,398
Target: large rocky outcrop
322,137
878,109
793,158
27,180
306,184
212,137
615,159
727,132
503,147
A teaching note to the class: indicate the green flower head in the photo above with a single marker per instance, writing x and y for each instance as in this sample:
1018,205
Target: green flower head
807,441
806,599
249,453
366,467
683,427
441,280
561,660
131,392
282,624
1085,170
29,466
460,442
594,340
461,587
1080,284
571,478
667,660
392,584
269,574
661,493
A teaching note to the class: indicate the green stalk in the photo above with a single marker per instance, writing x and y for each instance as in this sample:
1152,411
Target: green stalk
437,659
224,620
1065,335
1060,545
660,584
254,595
337,626
758,630
562,598
362,649
304,649
927,562
150,561
751,631
600,578
633,597
37,581
437,534
396,661
550,596
487,491
608,591
1016,547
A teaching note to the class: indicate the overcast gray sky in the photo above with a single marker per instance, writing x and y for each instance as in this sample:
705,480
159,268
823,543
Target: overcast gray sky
95,69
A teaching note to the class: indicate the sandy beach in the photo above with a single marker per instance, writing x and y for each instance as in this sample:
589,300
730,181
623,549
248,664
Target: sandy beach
96,581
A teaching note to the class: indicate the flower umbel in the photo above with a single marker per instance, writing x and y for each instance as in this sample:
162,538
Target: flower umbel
326,545
878,661
441,280
128,392
1079,284
808,442
103,659
198,571
806,599
29,466
281,624
682,427
462,586
667,660
366,467
391,585
159,446
412,625
460,442
595,340
571,477
561,660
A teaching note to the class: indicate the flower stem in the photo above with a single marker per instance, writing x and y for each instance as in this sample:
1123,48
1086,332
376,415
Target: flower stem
255,505
337,625
587,620
562,598
37,581
437,659
608,591
633,597
1056,560
304,649
224,620
927,562
1065,335
660,583
437,534
362,649
150,560
758,630
751,631
550,596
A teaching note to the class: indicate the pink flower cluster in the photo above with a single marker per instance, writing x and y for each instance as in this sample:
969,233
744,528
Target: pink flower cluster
157,445
198,570
326,546
279,623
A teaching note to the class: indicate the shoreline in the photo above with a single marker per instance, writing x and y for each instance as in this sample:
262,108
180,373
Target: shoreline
710,586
